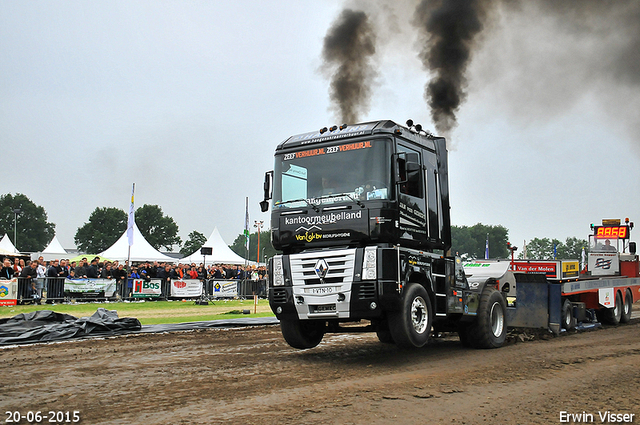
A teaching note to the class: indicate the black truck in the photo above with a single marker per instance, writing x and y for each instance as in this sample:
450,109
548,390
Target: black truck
361,216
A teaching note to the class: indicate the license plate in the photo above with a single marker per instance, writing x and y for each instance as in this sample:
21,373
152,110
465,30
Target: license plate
325,308
321,291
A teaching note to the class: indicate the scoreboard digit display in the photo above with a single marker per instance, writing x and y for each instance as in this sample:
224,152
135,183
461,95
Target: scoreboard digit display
611,232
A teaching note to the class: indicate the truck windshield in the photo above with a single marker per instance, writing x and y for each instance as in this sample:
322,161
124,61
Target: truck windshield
347,172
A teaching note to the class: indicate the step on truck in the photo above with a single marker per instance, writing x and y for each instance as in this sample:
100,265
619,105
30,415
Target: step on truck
361,216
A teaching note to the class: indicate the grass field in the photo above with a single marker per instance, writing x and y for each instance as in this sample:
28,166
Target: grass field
154,312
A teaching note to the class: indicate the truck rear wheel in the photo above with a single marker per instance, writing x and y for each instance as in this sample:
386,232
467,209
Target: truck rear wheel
611,316
627,307
302,334
568,321
490,328
411,326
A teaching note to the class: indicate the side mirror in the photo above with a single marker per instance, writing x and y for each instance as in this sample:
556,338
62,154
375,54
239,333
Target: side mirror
268,191
407,166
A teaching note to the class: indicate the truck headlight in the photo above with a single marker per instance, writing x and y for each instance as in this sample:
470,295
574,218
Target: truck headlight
370,263
278,273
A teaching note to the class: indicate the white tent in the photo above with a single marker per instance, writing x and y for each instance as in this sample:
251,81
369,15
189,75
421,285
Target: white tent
141,250
221,253
7,245
53,251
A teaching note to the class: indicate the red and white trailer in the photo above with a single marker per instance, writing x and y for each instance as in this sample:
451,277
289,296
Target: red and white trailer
608,285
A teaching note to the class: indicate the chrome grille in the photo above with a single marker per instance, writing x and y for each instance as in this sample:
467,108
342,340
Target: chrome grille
340,262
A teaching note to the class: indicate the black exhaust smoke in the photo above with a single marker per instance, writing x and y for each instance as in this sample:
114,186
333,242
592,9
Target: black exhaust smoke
347,53
449,28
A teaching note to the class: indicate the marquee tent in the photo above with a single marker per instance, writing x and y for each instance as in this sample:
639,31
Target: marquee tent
53,251
7,245
141,250
221,253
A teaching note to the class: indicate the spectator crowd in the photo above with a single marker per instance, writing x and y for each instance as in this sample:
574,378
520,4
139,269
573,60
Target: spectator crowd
96,268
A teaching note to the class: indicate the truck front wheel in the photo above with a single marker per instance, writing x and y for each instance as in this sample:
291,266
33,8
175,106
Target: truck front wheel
411,326
490,328
302,334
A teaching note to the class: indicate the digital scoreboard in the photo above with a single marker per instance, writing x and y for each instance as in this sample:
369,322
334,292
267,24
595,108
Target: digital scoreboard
611,232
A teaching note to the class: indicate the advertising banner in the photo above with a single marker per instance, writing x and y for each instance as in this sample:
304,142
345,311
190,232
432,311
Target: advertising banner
91,286
9,292
548,268
225,288
186,288
144,289
570,269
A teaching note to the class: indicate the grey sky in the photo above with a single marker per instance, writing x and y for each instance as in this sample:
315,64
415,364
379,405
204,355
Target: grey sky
189,99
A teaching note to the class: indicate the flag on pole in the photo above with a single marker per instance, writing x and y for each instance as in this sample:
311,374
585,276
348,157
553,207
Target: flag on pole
246,223
525,248
486,249
130,221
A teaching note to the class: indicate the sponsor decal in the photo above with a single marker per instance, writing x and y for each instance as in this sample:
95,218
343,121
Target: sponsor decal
310,237
328,150
317,220
603,264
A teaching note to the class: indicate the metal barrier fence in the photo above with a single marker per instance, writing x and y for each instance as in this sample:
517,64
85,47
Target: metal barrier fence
52,289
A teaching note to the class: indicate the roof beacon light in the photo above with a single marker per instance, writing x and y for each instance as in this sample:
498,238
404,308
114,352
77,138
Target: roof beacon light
343,126
334,128
323,130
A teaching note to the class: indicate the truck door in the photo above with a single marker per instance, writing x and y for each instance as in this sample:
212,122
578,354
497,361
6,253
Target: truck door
412,218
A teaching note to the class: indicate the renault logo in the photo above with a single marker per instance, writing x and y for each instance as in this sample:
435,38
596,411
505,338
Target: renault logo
321,268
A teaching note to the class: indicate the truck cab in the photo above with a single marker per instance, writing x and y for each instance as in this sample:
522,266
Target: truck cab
361,216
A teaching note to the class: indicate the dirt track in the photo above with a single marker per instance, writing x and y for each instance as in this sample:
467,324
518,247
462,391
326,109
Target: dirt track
251,376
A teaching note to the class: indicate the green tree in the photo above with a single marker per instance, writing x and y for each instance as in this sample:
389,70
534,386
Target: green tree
267,250
159,230
33,230
104,228
470,241
195,242
543,249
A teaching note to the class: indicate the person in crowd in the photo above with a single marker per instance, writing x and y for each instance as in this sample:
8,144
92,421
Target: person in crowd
52,271
202,273
92,270
62,268
218,273
133,275
80,270
41,270
152,270
18,265
144,273
119,274
73,266
30,272
107,272
7,270
72,274
192,273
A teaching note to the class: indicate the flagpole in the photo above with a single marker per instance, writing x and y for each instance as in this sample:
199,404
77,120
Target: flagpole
246,231
130,224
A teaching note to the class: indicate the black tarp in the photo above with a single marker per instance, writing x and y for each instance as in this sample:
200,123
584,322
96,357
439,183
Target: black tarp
47,326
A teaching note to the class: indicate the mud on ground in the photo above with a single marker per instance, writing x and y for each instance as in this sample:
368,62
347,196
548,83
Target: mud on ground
251,376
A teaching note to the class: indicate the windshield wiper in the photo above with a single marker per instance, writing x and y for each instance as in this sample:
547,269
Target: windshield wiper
315,208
